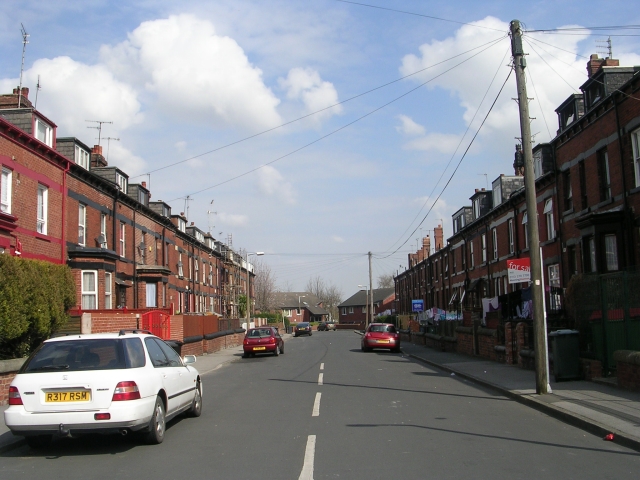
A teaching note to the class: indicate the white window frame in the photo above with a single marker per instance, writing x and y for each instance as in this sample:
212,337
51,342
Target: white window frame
121,181
525,220
344,310
103,229
180,269
497,194
47,135
108,289
350,309
548,212
151,295
122,240
196,269
5,190
554,281
635,140
43,209
210,274
82,157
494,234
89,289
82,224
611,252
471,259
511,237
364,309
483,240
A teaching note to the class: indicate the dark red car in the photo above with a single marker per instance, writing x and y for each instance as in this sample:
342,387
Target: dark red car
381,335
262,340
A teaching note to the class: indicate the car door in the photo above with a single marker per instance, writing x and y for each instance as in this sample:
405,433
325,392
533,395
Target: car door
186,377
168,373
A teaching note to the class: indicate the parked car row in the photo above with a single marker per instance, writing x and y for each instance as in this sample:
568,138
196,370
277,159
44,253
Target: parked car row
123,382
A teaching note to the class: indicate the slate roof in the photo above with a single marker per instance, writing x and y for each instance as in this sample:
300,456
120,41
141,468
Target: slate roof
289,300
359,299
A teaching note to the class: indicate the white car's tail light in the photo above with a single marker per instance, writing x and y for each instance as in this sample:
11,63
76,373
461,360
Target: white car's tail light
102,416
126,391
14,396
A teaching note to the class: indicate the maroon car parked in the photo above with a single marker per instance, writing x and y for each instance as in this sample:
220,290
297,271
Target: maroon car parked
262,340
381,335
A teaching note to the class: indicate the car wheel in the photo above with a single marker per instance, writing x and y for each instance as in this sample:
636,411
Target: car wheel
245,355
282,349
396,350
39,441
157,425
309,333
196,405
275,352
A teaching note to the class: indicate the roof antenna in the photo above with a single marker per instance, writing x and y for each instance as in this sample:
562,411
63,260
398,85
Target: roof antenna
38,87
605,44
108,139
25,40
187,199
99,127
210,213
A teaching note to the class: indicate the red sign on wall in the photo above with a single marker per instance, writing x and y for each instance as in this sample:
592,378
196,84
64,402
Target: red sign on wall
519,270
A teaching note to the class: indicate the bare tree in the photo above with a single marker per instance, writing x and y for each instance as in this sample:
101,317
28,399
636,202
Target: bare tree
386,281
329,294
264,286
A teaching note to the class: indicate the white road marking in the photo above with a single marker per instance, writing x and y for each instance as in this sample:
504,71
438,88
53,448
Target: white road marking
309,454
316,406
322,366
320,376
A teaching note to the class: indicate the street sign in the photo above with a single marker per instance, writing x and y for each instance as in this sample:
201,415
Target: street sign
519,270
417,305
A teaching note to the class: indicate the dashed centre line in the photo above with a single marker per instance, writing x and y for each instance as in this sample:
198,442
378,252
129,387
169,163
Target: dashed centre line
322,366
309,456
316,406
320,378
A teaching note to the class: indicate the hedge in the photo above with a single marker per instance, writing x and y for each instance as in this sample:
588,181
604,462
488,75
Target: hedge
34,299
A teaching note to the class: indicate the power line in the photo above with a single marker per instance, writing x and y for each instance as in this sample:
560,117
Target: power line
342,127
457,166
578,29
319,111
456,150
418,15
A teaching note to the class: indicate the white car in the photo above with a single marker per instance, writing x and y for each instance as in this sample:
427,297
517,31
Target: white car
124,382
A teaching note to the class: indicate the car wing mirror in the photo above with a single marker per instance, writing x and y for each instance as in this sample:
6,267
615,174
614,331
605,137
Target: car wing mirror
189,359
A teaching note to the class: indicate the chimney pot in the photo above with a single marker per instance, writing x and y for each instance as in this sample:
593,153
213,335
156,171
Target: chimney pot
97,149
144,184
193,223
182,214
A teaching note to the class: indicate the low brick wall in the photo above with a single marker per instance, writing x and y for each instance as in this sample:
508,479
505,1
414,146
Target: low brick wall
487,341
222,343
8,370
628,369
465,340
590,368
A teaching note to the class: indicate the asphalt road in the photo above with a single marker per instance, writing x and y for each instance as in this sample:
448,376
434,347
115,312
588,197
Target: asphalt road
324,409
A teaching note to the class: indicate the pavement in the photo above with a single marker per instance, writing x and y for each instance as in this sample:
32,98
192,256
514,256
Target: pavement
597,408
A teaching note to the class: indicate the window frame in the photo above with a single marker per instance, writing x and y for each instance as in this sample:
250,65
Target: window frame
82,224
612,261
511,236
151,287
525,221
85,293
82,157
103,229
548,213
472,260
483,243
122,240
604,174
494,235
6,179
635,152
42,214
48,132
108,290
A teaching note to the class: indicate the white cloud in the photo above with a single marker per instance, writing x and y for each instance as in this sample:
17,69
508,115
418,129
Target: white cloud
73,92
194,73
470,81
232,220
120,156
272,184
305,84
409,127
337,239
181,145
440,142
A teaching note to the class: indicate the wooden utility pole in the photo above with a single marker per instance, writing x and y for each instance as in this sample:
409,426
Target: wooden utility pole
370,291
539,320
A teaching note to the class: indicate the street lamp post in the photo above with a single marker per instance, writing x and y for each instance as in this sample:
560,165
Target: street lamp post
299,297
248,307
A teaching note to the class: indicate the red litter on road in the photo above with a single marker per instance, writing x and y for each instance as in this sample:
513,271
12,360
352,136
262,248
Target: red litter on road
609,437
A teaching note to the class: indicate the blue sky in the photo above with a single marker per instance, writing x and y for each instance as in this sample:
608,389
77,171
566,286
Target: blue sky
179,80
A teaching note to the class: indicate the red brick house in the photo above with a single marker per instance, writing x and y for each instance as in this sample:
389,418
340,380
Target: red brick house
301,307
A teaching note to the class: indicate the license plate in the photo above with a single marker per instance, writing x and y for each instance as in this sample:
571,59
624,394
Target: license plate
74,396
383,341
259,348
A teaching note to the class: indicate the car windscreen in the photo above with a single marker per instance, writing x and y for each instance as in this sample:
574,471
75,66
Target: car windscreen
303,325
76,355
383,328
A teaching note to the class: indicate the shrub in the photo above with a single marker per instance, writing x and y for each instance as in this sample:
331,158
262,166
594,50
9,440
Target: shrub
34,299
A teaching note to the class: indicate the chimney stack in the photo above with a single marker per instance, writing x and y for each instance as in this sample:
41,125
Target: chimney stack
25,92
438,235
594,64
144,184
97,160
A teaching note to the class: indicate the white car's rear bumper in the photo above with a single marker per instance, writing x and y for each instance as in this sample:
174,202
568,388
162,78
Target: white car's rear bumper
132,415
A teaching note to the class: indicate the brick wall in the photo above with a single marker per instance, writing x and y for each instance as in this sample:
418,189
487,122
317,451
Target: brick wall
112,322
465,340
628,369
487,340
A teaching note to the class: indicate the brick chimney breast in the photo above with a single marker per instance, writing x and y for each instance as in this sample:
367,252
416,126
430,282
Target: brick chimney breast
594,64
